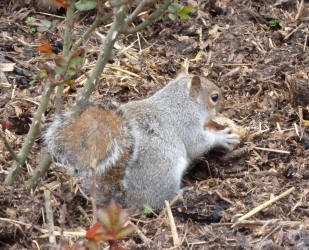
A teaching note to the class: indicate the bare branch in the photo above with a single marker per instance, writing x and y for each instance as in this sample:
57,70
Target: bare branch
66,48
150,20
103,58
32,134
97,22
138,10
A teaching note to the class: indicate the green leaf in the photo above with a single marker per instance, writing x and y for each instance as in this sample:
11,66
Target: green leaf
31,30
174,7
76,62
30,20
188,9
183,13
71,72
84,5
172,16
60,69
273,23
147,210
42,74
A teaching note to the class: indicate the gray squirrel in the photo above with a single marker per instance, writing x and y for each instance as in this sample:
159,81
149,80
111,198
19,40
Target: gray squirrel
140,150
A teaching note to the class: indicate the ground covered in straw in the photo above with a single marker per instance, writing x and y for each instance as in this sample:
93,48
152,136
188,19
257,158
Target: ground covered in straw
256,51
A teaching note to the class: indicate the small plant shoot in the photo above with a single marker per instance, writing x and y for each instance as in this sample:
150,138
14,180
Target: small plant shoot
176,10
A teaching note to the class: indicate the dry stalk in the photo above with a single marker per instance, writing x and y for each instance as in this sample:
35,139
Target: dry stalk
300,10
263,206
49,217
272,150
175,236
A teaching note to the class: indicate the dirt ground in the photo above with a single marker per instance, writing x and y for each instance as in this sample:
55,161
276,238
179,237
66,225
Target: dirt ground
256,51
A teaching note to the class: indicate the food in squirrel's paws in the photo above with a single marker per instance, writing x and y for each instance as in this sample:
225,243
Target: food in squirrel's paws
221,122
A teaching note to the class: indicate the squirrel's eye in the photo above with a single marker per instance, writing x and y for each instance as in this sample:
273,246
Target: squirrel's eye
214,97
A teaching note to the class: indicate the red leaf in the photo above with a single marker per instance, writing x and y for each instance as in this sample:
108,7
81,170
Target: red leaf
98,233
4,125
62,3
45,47
111,225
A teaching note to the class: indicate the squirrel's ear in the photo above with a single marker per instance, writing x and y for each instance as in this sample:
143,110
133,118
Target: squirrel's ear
184,68
195,87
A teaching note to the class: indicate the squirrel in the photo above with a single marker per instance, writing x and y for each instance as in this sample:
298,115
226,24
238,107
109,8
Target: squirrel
141,149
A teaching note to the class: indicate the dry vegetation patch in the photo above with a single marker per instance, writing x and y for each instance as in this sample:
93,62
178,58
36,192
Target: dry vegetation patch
256,51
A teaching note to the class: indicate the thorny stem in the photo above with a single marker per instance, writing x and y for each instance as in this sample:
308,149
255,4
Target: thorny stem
46,160
8,146
104,56
152,18
97,22
66,48
32,134
102,60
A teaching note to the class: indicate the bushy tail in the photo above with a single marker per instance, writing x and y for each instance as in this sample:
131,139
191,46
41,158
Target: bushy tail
95,138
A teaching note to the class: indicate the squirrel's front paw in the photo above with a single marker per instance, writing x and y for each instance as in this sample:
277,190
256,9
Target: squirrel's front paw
225,138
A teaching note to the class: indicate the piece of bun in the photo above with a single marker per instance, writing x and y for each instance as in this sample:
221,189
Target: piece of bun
221,122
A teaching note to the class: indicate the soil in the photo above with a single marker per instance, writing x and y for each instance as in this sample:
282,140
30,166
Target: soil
255,51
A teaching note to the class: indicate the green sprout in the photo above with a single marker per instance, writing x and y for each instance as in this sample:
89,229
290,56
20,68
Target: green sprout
273,23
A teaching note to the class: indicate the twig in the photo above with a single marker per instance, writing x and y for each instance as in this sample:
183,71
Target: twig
94,195
263,206
299,10
292,32
265,222
49,217
97,22
63,212
272,150
176,240
140,233
151,18
8,146
39,171
66,49
83,212
138,10
32,134
305,43
44,231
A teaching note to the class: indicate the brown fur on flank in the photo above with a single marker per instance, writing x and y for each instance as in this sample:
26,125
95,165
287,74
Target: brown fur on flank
96,138
93,134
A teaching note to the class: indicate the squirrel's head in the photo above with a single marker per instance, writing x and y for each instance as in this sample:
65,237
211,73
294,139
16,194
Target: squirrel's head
206,93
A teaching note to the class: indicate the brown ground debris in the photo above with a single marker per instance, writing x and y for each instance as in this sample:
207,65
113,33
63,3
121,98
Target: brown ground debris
263,70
